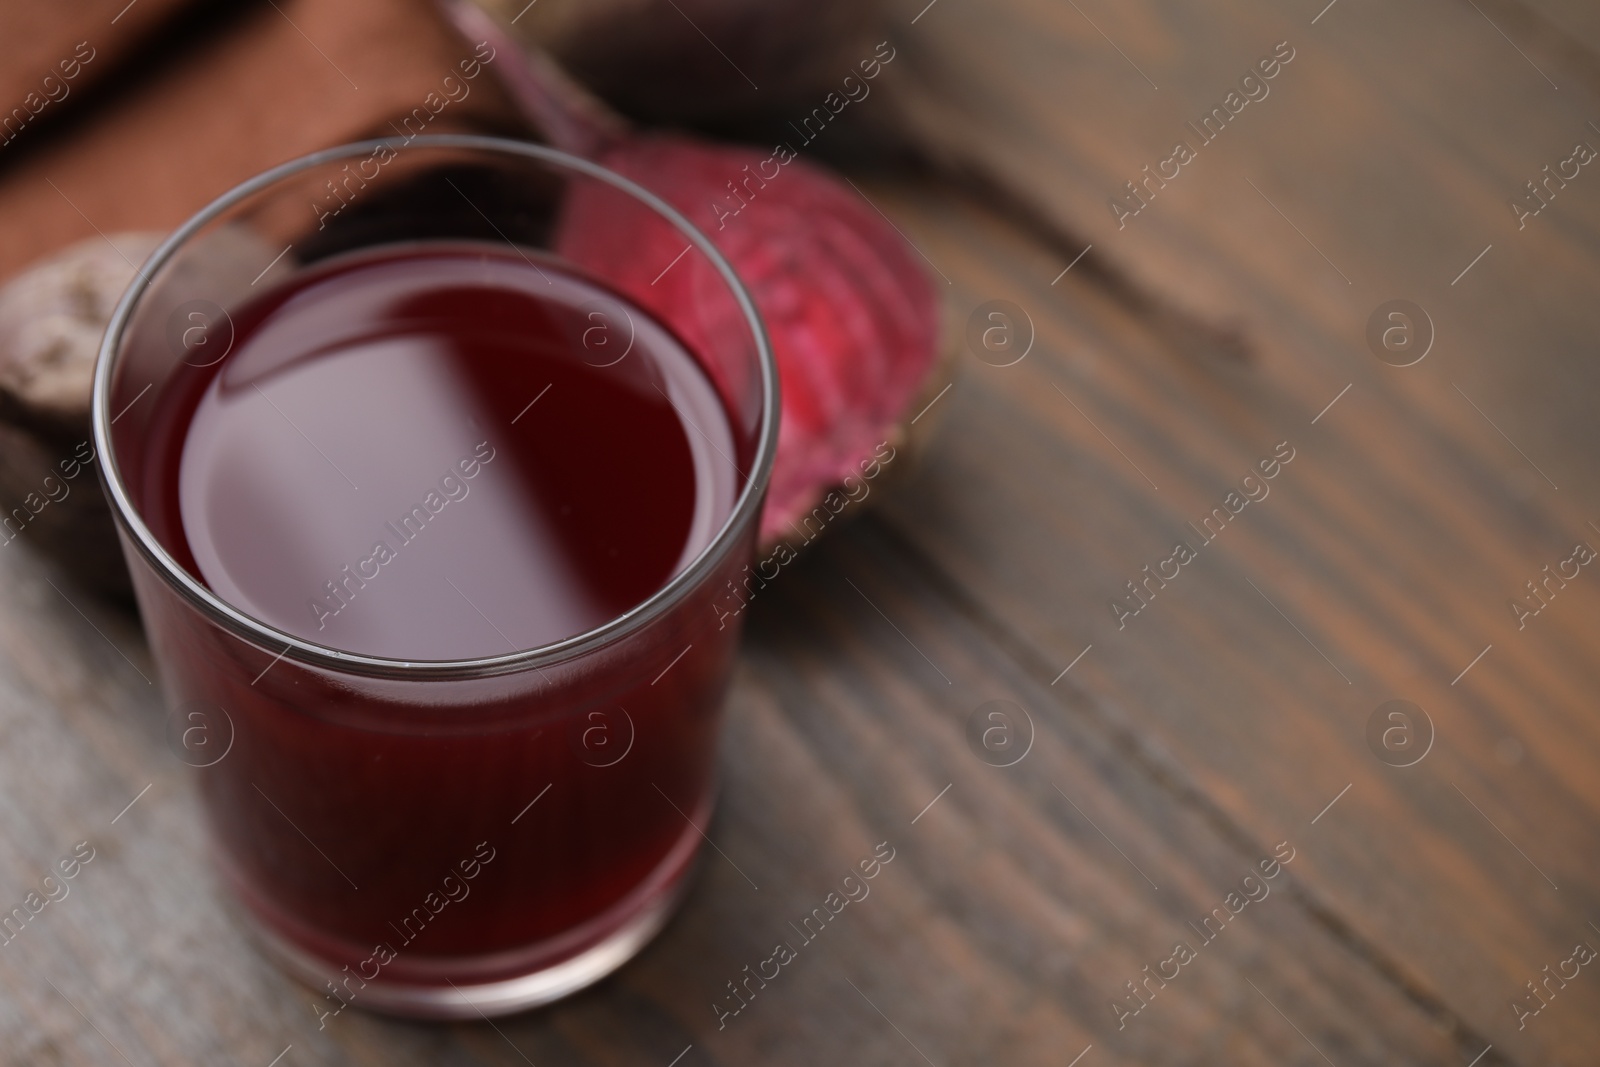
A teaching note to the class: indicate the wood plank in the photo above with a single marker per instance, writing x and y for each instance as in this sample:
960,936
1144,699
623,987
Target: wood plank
1001,931
1393,141
1557,26
1393,541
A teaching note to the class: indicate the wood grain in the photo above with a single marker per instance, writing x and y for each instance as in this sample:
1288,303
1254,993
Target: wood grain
1005,926
1395,546
1398,572
1229,715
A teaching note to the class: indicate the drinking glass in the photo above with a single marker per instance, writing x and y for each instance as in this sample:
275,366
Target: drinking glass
442,838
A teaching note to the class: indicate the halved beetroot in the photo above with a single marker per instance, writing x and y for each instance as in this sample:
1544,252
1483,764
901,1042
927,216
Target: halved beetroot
852,315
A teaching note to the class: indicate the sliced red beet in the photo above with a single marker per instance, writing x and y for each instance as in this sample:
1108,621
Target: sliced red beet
852,318
851,313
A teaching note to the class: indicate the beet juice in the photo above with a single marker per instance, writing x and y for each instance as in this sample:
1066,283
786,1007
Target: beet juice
441,454
437,452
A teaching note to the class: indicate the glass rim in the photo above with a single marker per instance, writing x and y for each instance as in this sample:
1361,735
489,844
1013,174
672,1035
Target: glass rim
263,635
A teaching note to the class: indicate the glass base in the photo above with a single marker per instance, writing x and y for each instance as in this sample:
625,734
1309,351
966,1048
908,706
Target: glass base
487,999
628,928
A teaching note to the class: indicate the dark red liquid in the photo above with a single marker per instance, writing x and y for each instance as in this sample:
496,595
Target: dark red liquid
364,469
436,453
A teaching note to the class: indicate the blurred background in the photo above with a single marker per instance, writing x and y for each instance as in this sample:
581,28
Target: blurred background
1197,223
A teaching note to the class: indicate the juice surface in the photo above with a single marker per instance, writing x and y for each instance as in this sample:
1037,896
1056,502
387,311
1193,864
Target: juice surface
435,452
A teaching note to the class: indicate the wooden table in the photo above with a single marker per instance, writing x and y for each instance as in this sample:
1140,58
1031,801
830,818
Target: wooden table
1173,750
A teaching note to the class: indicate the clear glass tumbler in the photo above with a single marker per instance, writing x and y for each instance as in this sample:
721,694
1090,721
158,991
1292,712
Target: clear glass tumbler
450,837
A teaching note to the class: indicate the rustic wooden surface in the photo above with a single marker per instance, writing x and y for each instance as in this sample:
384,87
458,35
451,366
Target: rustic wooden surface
1177,752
